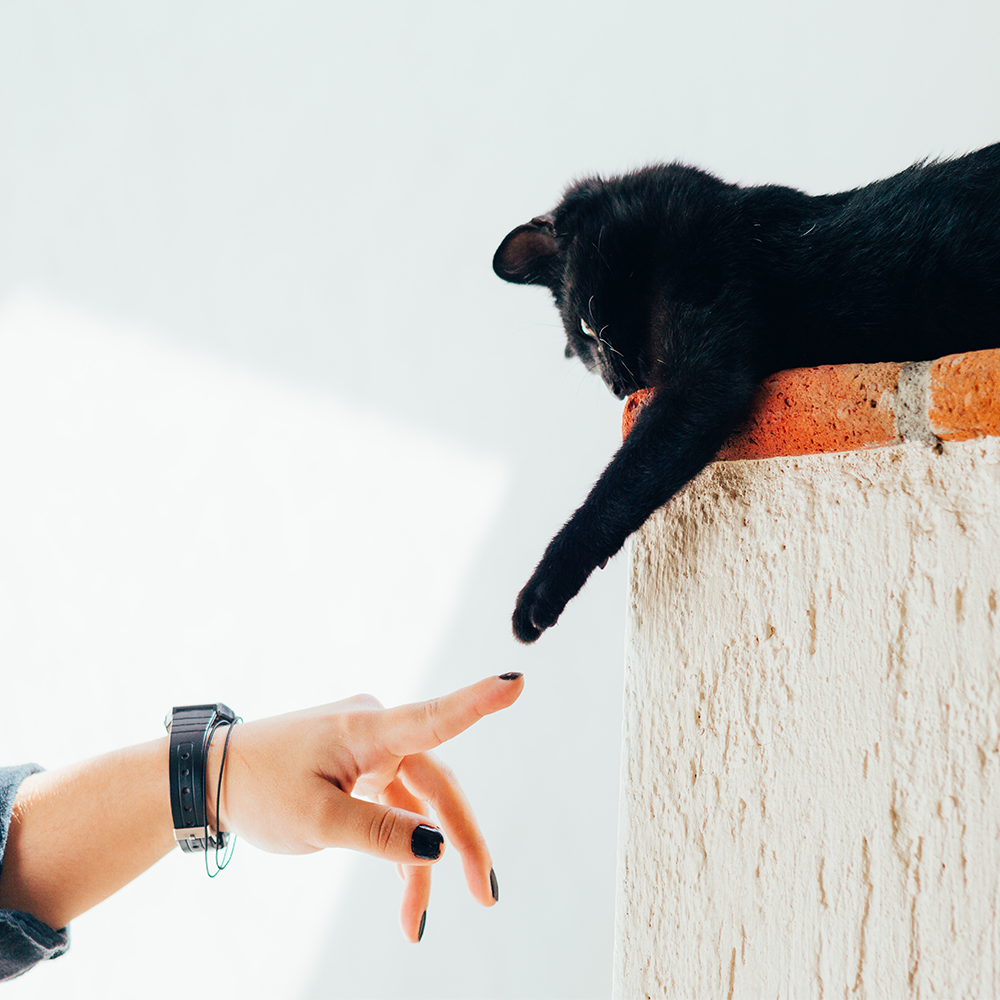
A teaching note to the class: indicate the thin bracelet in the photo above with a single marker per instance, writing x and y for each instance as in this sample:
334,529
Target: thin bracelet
228,842
231,845
206,743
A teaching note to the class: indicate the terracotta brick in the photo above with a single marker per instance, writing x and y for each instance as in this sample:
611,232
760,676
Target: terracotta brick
804,411
633,405
965,396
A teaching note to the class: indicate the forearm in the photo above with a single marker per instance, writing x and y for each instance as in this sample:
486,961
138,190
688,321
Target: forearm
80,833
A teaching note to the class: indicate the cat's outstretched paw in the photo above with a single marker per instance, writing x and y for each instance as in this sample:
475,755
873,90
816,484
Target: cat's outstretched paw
524,630
534,612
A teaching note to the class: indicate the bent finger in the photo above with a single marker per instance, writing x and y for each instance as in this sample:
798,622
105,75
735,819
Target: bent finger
411,729
416,878
375,828
433,782
416,896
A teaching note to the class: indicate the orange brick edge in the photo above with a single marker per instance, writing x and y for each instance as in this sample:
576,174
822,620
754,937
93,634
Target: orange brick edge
807,411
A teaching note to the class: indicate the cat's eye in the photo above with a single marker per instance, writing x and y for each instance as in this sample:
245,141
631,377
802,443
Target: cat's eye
587,332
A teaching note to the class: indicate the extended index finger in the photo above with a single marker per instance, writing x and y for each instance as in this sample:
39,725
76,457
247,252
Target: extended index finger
422,726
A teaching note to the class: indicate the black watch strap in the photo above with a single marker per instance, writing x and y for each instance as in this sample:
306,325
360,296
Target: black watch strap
191,727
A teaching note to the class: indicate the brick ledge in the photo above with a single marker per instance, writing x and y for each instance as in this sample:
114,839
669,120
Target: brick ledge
808,411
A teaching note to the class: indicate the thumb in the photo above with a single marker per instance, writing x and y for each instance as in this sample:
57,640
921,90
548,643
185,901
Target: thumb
384,831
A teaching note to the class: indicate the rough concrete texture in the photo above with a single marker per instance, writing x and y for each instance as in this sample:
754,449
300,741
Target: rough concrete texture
811,767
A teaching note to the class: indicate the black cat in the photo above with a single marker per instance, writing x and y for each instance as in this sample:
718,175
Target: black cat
673,279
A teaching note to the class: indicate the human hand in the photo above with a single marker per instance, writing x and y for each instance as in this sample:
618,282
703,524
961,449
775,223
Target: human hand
291,780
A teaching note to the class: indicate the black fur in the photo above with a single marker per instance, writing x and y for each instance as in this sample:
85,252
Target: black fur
701,289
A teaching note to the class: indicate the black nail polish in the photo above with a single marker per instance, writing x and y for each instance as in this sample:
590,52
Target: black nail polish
426,842
423,923
512,676
494,888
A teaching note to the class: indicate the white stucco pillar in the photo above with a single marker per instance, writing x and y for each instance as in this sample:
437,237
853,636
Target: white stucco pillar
811,764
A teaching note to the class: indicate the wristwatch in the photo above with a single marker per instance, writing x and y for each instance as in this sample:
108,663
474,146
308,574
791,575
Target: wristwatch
191,728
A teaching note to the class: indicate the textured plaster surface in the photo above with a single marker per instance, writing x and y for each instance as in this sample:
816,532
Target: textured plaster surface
811,767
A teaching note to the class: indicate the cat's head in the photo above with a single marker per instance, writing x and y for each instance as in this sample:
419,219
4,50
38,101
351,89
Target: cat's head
589,256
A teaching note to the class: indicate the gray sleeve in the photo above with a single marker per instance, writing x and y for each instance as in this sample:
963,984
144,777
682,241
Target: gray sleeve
24,941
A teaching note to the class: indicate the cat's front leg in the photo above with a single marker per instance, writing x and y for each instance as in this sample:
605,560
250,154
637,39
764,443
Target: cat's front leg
676,435
569,560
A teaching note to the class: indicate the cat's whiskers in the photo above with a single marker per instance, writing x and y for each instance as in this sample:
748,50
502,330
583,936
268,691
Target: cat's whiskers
629,370
611,347
607,343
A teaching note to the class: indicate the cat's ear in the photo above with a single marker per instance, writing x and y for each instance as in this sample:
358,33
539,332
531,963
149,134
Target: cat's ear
529,255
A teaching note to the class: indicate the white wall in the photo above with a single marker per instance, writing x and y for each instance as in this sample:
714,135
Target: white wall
297,204
811,799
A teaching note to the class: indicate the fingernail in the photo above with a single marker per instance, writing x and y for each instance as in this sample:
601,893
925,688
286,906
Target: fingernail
494,888
426,842
423,923
512,676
